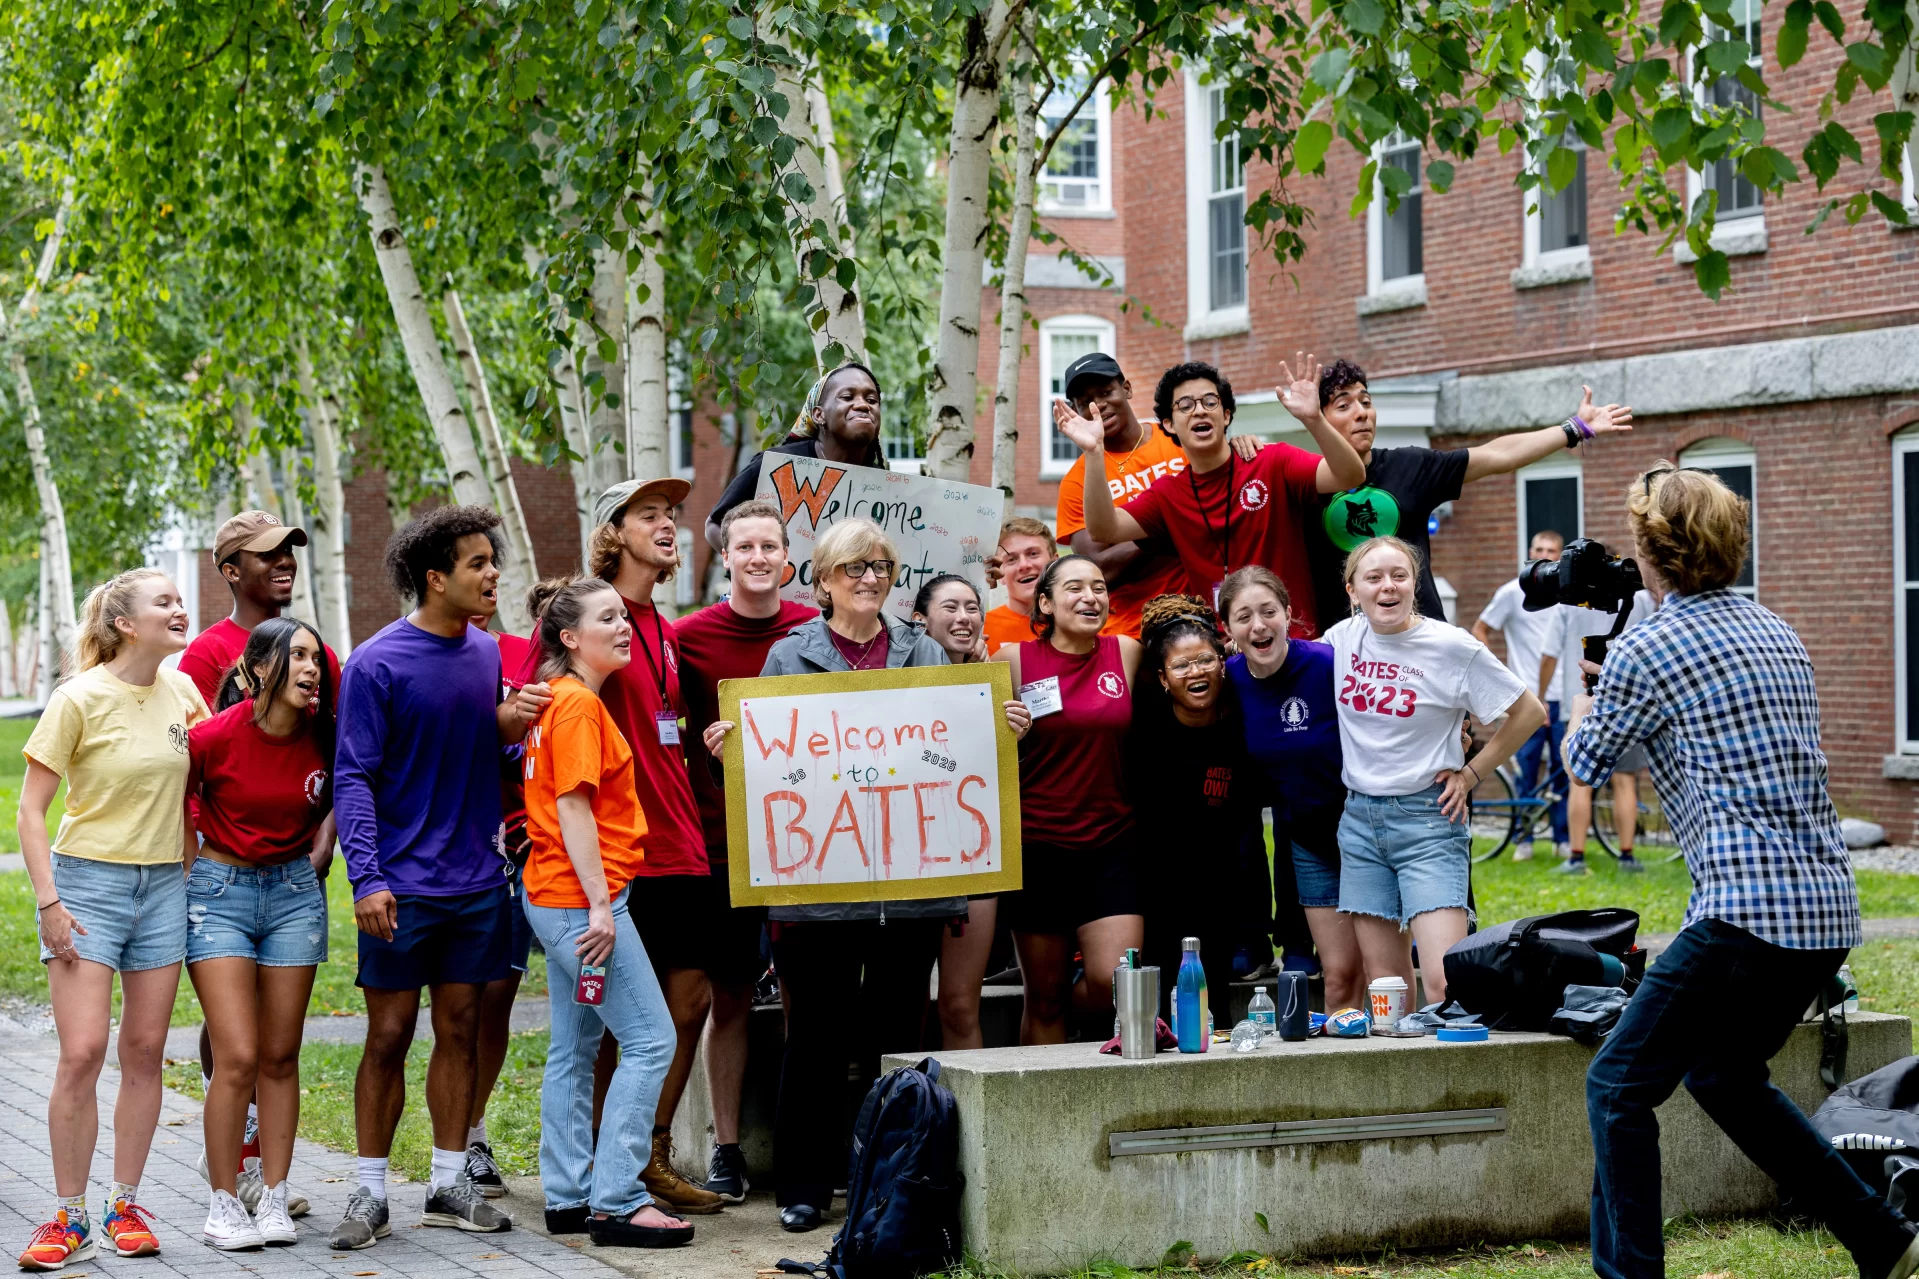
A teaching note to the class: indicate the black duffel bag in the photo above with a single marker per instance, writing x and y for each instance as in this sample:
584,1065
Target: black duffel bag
1873,1122
1514,975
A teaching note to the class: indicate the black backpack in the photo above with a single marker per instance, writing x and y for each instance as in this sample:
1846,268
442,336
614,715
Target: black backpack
903,1181
1514,975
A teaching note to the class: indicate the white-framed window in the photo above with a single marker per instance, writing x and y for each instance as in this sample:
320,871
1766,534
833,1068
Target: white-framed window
1738,197
1216,247
1905,577
1063,339
679,423
1396,241
1079,172
1737,466
1551,495
1556,220
1909,188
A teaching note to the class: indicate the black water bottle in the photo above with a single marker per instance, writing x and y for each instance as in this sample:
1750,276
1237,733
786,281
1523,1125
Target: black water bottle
1295,1006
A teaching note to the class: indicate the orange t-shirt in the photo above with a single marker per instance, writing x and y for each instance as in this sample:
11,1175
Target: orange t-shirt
1003,626
1127,476
573,744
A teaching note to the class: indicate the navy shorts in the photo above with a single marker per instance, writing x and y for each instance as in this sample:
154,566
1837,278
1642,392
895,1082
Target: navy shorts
462,939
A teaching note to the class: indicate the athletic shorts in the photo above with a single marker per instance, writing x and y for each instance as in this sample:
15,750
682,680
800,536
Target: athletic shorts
1064,886
439,940
679,918
734,955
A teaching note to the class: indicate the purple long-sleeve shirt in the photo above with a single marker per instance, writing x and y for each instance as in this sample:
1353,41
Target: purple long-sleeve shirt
416,786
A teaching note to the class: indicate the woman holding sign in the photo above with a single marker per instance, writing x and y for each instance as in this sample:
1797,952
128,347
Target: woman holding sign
1405,685
583,816
1076,823
853,973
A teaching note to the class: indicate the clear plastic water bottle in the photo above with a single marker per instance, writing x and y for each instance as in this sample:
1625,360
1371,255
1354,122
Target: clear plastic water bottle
1852,988
1262,1013
1246,1036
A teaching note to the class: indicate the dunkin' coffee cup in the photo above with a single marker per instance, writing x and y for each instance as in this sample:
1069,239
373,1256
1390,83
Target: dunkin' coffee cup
1388,999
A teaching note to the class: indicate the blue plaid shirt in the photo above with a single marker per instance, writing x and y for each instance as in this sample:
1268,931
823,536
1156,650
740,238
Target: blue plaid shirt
1721,692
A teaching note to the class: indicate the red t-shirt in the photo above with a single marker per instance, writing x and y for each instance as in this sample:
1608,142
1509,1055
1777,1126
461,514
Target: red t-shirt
1072,785
214,651
636,697
260,797
1240,514
870,656
515,652
717,643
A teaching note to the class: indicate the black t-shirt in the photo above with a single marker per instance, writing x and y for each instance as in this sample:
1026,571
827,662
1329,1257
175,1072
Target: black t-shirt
1195,795
1402,487
744,484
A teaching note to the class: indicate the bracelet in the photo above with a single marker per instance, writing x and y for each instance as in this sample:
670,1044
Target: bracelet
1573,438
49,906
1478,781
1580,422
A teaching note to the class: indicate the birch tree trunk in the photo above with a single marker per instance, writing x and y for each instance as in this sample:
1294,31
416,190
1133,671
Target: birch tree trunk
572,406
648,431
809,123
423,355
953,390
47,653
306,597
1012,296
499,469
606,428
329,517
56,595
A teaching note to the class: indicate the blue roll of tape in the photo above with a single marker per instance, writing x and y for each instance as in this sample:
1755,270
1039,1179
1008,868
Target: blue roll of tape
1463,1034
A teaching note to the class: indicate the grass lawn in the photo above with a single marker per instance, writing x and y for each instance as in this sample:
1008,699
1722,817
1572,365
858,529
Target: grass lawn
13,768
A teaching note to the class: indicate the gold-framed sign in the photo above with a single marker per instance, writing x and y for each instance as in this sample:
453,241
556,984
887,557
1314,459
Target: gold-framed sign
871,785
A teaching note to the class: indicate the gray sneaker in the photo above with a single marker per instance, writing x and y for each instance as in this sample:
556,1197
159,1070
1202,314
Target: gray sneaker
463,1206
365,1221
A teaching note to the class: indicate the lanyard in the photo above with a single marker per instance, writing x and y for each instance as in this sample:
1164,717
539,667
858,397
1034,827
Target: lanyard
659,635
1224,542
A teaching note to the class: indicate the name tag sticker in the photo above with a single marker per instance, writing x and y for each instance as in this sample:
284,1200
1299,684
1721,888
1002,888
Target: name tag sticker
669,726
1042,696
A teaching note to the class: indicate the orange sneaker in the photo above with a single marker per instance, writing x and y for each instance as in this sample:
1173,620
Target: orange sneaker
131,1230
55,1244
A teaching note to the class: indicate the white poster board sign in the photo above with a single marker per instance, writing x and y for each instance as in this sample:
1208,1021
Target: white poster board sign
871,785
940,526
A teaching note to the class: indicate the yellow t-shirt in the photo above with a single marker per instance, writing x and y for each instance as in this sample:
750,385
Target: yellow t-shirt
123,751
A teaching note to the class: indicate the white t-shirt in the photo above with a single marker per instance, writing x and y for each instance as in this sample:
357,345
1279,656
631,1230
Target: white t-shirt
1530,637
1402,700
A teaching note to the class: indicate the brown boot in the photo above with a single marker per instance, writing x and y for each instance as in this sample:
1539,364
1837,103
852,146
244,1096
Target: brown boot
675,1193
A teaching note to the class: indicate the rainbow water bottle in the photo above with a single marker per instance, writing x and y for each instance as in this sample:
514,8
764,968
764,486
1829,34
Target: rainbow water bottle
1189,1000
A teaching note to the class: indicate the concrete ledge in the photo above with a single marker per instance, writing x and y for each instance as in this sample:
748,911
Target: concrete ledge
1230,322
1900,768
1738,238
1541,275
1037,1127
1391,299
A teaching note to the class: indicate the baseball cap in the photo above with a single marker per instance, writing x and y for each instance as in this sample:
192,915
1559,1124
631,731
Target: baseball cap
1096,364
614,501
256,531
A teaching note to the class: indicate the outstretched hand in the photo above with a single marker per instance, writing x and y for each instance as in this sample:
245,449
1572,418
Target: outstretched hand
1088,434
1299,392
1604,419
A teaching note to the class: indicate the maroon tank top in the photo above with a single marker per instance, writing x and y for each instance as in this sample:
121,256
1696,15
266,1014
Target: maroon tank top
1071,790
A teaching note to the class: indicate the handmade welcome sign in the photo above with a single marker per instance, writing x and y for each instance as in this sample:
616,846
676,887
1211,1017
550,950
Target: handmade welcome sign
871,785
940,526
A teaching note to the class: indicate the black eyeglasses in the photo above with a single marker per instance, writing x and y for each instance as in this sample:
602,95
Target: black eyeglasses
882,569
1188,403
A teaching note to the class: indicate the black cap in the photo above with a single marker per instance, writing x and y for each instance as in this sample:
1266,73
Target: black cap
1096,365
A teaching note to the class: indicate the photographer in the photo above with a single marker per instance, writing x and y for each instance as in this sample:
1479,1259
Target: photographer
1721,693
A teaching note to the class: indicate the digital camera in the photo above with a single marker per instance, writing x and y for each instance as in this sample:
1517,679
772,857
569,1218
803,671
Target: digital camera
1585,576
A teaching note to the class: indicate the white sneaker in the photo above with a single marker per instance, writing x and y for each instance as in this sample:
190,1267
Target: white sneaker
249,1185
229,1228
275,1223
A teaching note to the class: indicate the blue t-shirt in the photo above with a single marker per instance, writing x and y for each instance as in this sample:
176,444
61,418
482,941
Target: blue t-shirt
1292,731
416,784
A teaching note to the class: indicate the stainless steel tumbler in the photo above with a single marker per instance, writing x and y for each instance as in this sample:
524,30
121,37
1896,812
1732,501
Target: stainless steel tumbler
1136,999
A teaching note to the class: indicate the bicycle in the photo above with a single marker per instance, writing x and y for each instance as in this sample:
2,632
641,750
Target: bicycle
1505,815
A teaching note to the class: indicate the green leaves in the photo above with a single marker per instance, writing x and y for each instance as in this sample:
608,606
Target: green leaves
1790,46
1367,17
1310,144
1826,148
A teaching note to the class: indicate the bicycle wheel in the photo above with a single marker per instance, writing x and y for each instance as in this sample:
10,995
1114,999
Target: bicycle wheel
1654,842
1498,815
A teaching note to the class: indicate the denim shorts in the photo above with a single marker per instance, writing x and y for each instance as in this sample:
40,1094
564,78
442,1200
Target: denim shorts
1400,857
273,915
135,916
1316,874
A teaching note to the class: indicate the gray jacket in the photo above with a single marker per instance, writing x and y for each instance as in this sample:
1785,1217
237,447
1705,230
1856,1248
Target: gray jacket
810,650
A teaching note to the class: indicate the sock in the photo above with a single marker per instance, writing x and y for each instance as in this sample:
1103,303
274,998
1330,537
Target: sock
206,1083
75,1206
447,1167
122,1193
373,1176
477,1133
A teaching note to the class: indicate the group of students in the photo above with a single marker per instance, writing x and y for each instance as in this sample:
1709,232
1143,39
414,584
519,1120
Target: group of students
487,790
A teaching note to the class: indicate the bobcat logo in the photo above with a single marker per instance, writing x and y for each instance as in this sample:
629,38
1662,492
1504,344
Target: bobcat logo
1362,521
315,784
177,734
1112,685
1253,495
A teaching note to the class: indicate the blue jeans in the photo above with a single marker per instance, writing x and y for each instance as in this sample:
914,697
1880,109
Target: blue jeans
1679,1027
1526,766
575,1172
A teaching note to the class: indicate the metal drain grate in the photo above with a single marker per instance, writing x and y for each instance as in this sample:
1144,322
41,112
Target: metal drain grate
1431,1123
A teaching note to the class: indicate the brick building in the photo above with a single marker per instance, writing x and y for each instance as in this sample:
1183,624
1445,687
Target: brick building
1474,316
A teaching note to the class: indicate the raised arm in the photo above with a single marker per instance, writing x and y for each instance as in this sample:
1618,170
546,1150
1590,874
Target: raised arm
1106,522
1339,464
1522,448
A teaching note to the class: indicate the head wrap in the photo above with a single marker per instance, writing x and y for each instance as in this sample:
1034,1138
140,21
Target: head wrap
803,425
